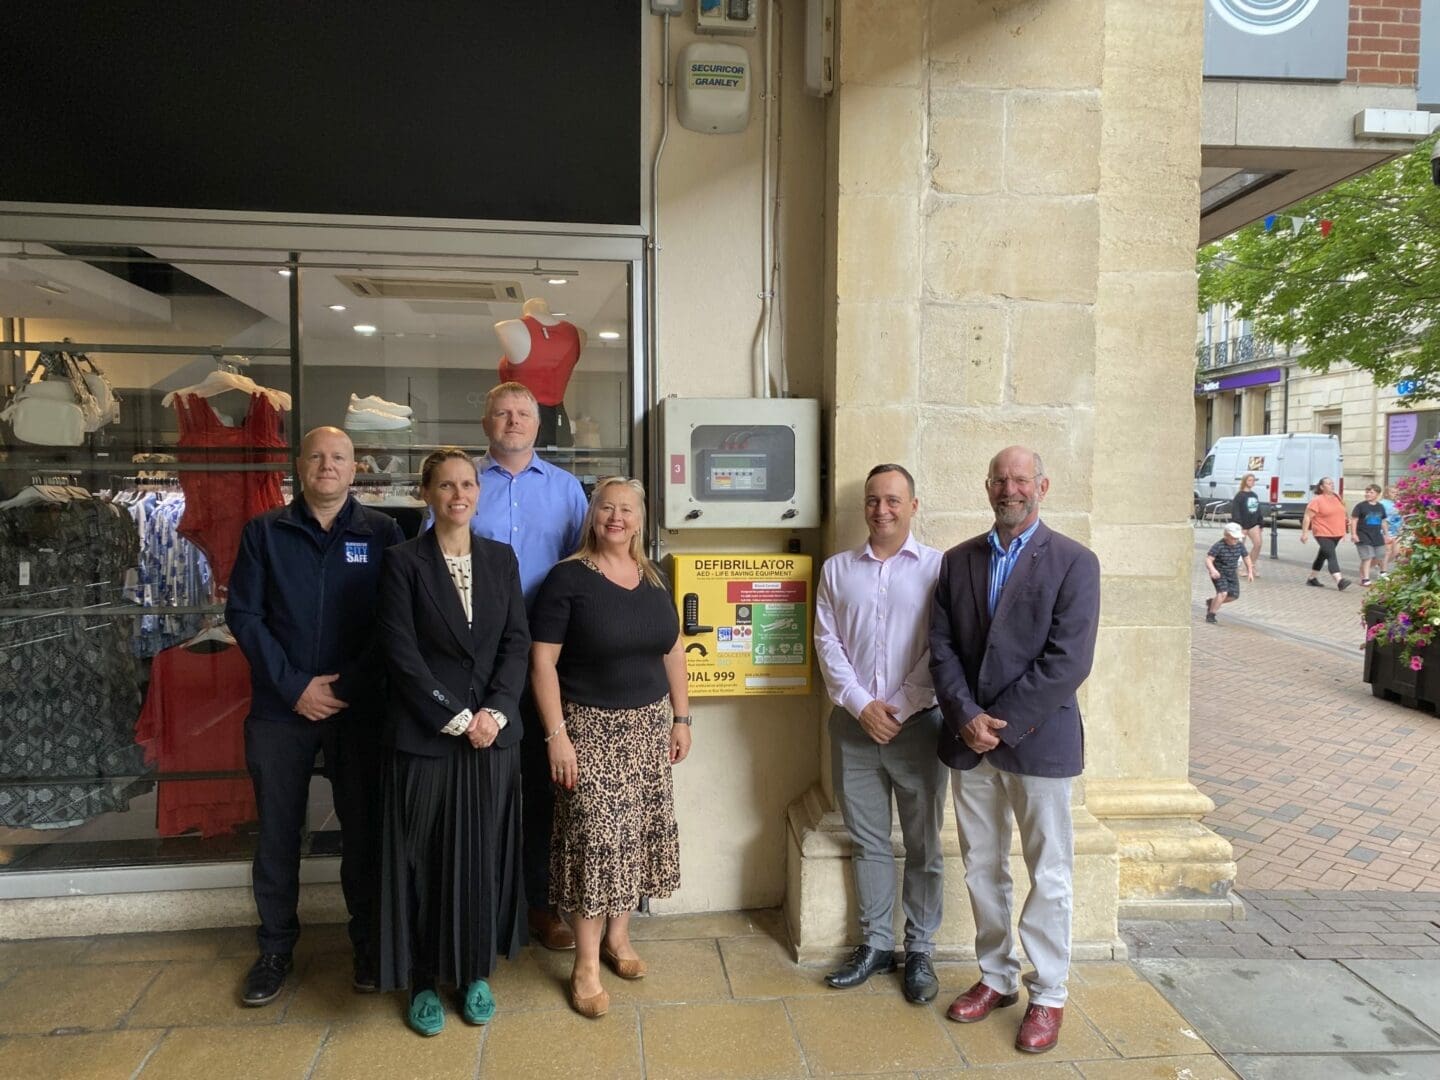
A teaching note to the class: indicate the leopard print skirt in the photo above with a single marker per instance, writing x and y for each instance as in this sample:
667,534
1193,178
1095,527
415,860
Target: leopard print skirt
615,838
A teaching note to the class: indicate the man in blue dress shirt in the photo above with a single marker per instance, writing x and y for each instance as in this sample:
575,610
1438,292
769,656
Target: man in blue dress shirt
538,509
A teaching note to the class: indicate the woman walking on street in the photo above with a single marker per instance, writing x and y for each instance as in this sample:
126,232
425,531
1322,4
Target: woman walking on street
1325,516
1245,511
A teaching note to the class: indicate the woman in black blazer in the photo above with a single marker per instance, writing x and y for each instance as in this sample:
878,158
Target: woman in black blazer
452,626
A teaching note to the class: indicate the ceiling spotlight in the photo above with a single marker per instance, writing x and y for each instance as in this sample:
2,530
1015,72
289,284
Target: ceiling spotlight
557,281
610,335
337,307
363,328
560,314
284,273
54,288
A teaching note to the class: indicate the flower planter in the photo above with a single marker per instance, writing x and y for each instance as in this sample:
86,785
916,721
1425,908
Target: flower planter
1393,679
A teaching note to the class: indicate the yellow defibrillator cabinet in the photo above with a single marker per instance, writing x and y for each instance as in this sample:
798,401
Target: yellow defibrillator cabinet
745,623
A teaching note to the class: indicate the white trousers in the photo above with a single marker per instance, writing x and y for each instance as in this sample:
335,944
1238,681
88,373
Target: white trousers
985,799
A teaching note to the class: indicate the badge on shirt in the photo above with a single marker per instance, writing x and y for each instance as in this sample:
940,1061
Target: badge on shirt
357,551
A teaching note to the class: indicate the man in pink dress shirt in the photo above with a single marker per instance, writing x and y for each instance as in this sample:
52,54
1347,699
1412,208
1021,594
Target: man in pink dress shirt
872,614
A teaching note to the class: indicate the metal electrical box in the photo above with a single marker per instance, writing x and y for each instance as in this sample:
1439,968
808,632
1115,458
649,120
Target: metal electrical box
726,16
741,463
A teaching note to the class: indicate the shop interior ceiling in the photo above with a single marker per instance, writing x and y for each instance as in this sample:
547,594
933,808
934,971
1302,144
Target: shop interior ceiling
594,296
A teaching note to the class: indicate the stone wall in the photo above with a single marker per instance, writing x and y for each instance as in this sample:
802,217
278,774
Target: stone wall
1016,199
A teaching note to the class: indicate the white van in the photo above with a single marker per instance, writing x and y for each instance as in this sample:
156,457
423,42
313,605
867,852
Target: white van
1286,468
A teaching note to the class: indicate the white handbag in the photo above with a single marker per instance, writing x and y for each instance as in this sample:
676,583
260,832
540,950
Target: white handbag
56,406
106,404
45,413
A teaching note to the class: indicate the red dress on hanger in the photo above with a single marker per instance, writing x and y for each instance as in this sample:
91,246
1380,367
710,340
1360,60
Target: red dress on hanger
218,504
194,721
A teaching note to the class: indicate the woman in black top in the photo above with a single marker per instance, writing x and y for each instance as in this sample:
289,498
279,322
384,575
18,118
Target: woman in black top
452,624
1246,512
608,673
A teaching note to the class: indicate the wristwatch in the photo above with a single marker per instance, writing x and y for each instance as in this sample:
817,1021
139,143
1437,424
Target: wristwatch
681,720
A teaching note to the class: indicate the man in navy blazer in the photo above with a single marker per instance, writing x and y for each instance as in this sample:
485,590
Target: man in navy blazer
1012,637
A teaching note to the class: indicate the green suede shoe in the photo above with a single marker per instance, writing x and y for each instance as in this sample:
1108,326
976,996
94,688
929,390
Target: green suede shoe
427,1015
479,1003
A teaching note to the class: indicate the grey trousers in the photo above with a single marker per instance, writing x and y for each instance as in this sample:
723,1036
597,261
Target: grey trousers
866,775
985,798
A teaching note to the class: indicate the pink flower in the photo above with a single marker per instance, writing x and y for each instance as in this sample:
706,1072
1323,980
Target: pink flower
1416,663
1431,515
1372,632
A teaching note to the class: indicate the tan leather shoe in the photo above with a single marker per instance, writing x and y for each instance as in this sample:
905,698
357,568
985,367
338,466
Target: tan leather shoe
550,930
977,1003
592,1007
626,969
1040,1030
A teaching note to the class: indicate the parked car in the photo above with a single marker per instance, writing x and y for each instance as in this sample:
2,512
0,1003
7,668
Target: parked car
1285,467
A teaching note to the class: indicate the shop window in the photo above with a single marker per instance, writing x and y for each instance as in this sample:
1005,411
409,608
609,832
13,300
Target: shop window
1268,398
1408,435
1209,421
1237,409
122,695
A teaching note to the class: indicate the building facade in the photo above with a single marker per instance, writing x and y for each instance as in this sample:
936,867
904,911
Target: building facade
984,235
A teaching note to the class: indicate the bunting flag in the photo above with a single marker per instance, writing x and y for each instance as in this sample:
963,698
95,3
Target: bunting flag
1297,224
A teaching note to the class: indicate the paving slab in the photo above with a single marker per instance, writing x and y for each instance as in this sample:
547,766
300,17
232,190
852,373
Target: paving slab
1337,1066
1285,1007
1412,984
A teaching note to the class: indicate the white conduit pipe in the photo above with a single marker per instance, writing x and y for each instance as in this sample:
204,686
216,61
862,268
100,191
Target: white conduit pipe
652,289
767,238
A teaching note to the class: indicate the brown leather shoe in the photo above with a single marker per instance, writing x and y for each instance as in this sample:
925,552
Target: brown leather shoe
592,1007
626,969
1040,1030
977,1003
550,930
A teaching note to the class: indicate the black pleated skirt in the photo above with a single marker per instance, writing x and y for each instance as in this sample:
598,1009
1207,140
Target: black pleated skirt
452,893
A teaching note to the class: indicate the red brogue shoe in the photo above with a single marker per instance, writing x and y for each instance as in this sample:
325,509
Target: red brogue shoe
977,1003
1040,1030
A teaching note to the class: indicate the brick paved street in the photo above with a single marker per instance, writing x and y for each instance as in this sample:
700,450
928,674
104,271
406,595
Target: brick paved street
1318,784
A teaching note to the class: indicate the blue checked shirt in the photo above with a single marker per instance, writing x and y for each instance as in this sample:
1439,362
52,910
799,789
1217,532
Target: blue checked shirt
1002,561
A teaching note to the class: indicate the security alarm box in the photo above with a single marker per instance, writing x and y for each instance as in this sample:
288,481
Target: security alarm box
741,463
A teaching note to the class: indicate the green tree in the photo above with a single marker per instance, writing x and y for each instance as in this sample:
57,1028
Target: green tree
1368,293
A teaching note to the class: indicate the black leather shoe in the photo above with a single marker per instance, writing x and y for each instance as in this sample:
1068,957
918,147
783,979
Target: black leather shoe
266,979
863,963
364,980
921,985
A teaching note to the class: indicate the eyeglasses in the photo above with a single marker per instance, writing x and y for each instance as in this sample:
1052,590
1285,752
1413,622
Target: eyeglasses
997,483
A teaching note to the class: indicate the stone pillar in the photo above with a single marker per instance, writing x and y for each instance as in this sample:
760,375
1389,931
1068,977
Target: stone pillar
1139,714
1013,216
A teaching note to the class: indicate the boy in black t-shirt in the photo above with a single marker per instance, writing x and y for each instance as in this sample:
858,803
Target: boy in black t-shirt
1367,530
1223,561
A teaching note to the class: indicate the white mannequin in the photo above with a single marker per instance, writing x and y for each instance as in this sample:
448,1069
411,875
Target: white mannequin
514,335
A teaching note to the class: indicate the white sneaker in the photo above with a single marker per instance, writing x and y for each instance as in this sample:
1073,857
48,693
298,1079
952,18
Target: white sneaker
373,420
379,404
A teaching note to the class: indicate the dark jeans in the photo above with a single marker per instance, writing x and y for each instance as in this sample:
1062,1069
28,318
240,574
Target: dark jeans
537,794
280,755
1326,544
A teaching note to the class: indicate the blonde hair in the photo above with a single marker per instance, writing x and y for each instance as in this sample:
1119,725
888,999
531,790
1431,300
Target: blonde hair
506,389
588,548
